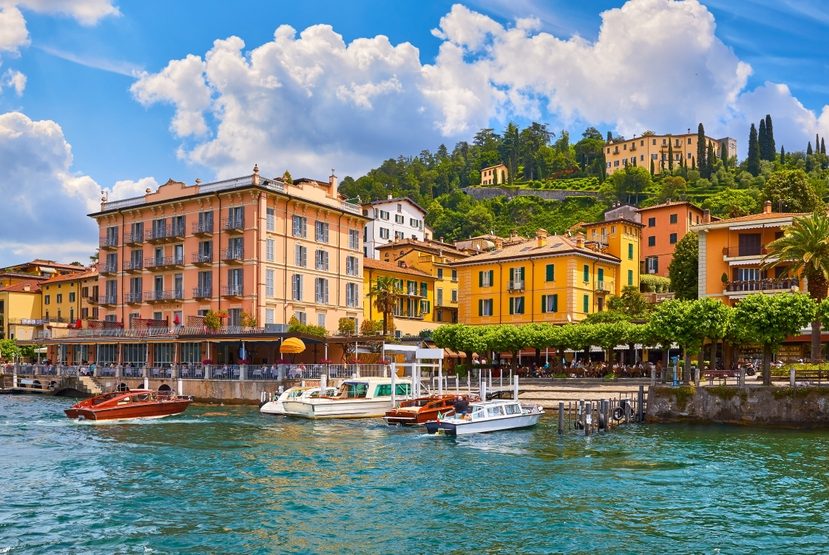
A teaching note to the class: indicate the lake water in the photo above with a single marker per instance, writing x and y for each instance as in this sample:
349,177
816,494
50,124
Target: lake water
228,480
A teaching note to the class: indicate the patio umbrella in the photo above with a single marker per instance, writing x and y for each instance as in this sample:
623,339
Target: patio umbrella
292,345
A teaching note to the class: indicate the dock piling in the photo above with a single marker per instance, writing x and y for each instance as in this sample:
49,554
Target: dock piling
640,404
588,417
561,417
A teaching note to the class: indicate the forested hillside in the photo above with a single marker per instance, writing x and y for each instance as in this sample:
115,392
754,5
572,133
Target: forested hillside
537,158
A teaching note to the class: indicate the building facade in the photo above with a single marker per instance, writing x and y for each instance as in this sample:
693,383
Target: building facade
389,220
495,175
664,226
656,150
413,312
620,238
20,309
554,279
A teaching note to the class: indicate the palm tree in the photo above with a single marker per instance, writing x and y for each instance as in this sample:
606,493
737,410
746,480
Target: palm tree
804,250
385,293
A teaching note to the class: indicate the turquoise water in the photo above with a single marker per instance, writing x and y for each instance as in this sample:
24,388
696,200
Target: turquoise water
227,480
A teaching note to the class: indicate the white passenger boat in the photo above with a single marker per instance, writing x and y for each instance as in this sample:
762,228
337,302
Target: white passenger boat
276,406
488,416
356,398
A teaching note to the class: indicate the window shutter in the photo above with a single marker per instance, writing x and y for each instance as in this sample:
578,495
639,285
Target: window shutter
491,277
551,272
480,307
555,303
480,279
544,303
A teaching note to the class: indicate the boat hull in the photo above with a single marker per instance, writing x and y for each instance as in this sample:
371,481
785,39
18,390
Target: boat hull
131,411
330,408
398,417
273,407
459,427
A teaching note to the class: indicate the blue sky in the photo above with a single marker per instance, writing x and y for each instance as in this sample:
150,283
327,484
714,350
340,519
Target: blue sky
103,94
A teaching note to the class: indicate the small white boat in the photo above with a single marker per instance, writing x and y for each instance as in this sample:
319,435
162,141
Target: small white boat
356,398
488,416
276,406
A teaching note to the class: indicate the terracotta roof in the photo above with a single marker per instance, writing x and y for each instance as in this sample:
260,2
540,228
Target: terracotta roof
72,277
672,203
553,245
602,222
34,287
771,216
432,246
375,264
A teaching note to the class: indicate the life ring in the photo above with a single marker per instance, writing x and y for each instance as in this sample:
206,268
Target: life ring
618,413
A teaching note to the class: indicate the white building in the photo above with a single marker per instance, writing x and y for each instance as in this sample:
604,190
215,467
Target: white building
391,219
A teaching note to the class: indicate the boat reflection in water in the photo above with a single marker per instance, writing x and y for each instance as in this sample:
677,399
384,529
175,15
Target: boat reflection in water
128,405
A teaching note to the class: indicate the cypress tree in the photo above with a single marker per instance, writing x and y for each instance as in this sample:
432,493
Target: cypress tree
810,164
817,143
761,140
701,148
724,153
693,162
772,148
670,153
809,149
711,158
609,137
651,167
753,160
782,156
822,146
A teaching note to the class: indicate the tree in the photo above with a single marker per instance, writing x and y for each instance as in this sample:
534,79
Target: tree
782,156
822,146
710,161
510,150
804,250
810,161
771,148
713,319
670,321
346,326
753,160
732,203
770,319
9,350
761,140
629,184
683,269
670,153
791,190
700,158
384,293
631,303
672,187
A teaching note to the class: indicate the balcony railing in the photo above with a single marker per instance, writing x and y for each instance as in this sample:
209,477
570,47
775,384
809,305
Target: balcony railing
202,292
134,265
108,242
202,228
232,291
202,258
162,296
166,261
109,268
159,234
177,231
784,284
604,285
233,225
744,251
516,285
135,297
135,238
234,255
108,299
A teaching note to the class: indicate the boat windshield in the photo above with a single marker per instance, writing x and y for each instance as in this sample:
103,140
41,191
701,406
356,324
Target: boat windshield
513,408
496,410
384,389
293,394
479,412
353,390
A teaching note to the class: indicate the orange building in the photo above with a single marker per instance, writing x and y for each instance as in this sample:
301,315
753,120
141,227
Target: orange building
664,226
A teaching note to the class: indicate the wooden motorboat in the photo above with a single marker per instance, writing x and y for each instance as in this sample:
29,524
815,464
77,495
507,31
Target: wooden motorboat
488,416
356,398
416,412
127,405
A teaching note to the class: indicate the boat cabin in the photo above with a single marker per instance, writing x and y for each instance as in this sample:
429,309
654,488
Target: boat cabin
368,388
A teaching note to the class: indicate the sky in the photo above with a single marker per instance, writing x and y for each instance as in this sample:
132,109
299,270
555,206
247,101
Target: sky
114,96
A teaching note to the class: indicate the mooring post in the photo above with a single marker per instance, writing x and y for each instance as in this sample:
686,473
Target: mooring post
742,377
627,411
588,417
561,417
640,404
791,377
653,375
515,388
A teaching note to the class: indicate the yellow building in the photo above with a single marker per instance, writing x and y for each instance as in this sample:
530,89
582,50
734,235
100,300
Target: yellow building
554,279
495,175
69,298
434,258
414,310
621,238
641,151
20,309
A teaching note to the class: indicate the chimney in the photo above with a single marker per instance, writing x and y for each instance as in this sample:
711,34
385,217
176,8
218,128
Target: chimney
499,243
579,240
541,237
255,177
389,197
332,184
706,216
767,207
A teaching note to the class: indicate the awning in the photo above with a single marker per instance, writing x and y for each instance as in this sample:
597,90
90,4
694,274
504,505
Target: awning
292,345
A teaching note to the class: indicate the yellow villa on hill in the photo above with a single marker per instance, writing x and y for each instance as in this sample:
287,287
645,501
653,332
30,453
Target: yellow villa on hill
554,279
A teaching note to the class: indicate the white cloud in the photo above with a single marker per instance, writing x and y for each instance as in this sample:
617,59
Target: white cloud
14,79
86,12
127,188
13,32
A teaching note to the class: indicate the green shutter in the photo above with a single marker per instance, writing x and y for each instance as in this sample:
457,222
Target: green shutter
551,272
491,277
480,307
480,279
424,289
555,302
543,304
586,272
630,251
630,277
601,274
586,304
511,305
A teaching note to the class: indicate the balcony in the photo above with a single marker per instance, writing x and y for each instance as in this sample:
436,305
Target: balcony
134,266
109,243
202,259
232,291
109,269
108,300
135,238
177,231
741,288
202,292
233,225
516,285
232,256
743,253
92,299
163,296
161,263
135,297
159,234
204,229
604,286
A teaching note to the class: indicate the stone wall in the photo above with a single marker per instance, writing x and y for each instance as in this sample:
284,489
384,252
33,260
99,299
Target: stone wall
800,406
548,194
206,391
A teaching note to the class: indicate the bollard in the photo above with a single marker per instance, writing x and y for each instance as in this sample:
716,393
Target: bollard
561,417
791,377
606,414
640,405
588,418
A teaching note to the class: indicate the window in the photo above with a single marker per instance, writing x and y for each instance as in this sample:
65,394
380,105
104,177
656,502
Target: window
301,256
179,226
516,305
205,222
321,260
384,215
235,281
269,316
630,251
600,276
298,226
672,238
111,289
454,295
352,295
654,142
399,235
585,273
178,286
630,277
549,303
47,299
205,288
411,287
354,239
352,266
585,304
321,320
399,219
484,307
235,248
236,217
651,222
425,307
439,297
321,290
399,207
674,218
59,298
652,264
269,283
516,278
384,233
454,275
440,273
296,287
550,272
321,232
652,241
414,223
269,248
178,254
270,219
71,296
485,278
112,236
234,317
749,244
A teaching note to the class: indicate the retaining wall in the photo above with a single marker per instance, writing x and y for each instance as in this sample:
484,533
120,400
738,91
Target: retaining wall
207,391
548,194
801,406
